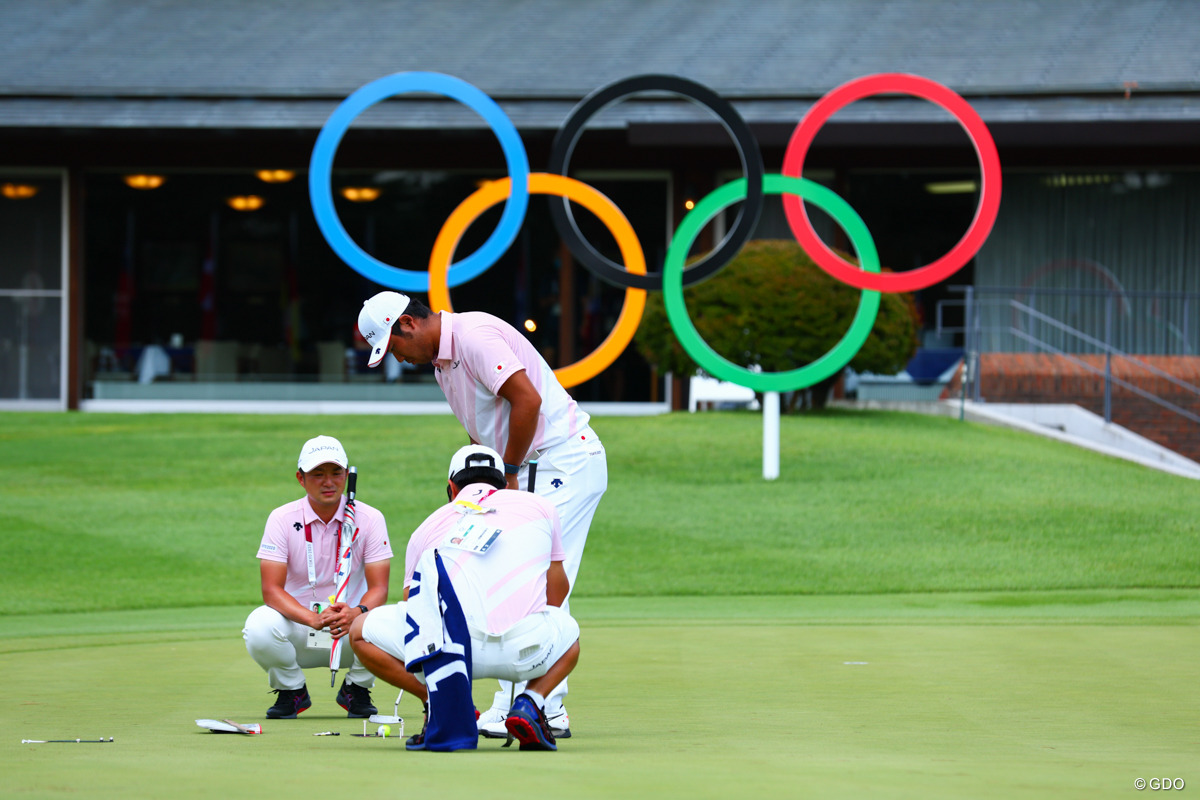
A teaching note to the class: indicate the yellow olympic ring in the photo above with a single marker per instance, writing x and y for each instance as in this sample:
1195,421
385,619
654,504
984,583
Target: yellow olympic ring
608,213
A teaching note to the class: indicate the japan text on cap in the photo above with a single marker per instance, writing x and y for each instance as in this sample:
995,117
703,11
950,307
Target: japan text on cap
375,321
322,450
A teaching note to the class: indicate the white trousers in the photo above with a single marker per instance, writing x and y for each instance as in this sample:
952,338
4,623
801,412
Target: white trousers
523,652
573,476
280,647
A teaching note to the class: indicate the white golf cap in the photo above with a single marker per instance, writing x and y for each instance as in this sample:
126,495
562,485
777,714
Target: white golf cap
475,455
376,319
322,450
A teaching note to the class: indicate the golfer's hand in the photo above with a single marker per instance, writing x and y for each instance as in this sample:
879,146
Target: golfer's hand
338,618
511,480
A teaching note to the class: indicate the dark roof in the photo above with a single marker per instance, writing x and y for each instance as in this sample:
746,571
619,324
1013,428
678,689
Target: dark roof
286,63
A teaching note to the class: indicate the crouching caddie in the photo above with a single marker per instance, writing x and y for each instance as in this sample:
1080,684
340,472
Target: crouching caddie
501,551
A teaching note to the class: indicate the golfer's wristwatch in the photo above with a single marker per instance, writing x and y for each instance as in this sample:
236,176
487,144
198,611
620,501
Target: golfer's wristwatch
362,609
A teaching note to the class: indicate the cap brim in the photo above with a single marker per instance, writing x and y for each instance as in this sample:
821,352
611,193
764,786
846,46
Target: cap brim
377,355
309,467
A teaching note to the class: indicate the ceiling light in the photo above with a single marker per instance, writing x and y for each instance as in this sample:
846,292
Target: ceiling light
360,194
18,191
143,181
530,325
275,175
1087,179
952,187
245,202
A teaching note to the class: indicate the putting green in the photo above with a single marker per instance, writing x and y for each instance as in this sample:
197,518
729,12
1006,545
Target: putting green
1065,694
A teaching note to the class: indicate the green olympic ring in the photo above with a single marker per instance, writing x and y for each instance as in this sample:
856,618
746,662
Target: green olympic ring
711,361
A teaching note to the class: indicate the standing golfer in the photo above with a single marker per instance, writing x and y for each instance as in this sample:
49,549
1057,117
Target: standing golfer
502,552
507,397
298,560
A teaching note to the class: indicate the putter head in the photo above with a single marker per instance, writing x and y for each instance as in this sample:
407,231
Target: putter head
385,719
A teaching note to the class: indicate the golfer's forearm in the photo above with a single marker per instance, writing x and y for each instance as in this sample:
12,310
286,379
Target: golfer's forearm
521,428
375,597
378,574
290,607
525,405
557,584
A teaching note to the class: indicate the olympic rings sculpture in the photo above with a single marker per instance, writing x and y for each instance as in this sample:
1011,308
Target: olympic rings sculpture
633,276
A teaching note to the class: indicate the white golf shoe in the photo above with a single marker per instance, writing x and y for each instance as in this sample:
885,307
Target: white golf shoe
560,724
491,723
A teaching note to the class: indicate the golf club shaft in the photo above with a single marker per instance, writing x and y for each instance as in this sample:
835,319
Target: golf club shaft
343,565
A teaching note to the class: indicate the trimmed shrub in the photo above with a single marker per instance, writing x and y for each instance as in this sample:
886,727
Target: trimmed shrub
774,307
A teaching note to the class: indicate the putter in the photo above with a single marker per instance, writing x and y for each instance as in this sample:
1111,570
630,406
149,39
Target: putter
384,719
66,741
229,726
512,697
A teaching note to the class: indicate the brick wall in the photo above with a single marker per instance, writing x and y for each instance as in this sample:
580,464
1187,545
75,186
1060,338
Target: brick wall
1030,378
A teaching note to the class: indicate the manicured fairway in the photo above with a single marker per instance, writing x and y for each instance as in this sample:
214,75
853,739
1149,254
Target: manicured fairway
917,608
967,695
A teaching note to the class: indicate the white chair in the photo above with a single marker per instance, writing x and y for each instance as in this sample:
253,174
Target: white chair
703,389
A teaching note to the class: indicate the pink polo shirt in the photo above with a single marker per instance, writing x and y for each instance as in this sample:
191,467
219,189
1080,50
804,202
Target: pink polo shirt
477,354
283,541
505,584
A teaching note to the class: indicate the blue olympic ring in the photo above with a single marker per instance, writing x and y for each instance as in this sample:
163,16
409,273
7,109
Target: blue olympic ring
320,171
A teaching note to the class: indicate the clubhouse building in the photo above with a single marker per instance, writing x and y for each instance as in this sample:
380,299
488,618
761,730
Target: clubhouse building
160,243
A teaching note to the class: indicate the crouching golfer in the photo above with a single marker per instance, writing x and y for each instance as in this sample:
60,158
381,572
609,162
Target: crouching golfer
502,552
298,559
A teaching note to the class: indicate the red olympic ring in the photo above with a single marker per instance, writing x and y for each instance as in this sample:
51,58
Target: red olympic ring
989,196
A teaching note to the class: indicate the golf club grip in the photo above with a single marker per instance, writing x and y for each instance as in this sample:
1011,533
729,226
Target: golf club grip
532,473
352,482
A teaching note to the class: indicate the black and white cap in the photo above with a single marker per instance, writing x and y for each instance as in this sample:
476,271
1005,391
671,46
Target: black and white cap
375,321
475,455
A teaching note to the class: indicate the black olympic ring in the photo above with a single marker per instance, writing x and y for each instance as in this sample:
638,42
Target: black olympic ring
747,146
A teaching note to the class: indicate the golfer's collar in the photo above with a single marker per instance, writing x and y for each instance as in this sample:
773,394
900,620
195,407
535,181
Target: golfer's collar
308,516
445,341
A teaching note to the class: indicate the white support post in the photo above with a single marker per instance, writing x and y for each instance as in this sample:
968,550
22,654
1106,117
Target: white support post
771,435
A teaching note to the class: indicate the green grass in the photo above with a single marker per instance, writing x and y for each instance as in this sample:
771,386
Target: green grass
168,510
1027,613
932,696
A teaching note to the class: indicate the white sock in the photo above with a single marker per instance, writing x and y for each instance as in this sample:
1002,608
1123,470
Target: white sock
537,699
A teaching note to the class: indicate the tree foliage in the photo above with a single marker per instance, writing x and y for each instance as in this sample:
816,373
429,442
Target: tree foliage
772,306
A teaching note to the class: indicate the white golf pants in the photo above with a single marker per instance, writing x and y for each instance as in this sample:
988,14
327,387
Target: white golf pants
523,652
280,647
573,476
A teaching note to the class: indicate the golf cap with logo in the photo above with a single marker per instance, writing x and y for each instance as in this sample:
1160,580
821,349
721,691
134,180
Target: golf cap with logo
322,450
475,455
375,321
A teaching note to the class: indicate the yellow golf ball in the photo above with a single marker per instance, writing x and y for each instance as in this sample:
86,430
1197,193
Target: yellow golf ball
385,731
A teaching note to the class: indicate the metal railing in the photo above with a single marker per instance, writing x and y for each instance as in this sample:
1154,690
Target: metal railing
1005,323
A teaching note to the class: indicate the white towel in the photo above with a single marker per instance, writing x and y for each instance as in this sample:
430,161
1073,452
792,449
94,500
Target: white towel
426,633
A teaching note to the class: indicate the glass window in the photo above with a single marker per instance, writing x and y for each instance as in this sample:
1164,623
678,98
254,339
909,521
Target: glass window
31,283
195,278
